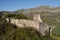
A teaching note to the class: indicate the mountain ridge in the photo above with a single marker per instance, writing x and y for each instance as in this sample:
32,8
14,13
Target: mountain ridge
38,9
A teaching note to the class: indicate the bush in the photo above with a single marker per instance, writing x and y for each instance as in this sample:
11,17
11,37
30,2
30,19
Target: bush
18,16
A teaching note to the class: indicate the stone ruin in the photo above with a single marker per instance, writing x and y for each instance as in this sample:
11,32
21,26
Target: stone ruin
36,23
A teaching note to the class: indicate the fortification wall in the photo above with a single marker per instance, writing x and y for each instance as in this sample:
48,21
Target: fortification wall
25,23
36,23
41,27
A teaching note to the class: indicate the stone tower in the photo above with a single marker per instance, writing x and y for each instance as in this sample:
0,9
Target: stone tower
37,17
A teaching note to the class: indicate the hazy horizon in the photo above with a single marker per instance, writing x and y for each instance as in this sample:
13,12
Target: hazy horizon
11,5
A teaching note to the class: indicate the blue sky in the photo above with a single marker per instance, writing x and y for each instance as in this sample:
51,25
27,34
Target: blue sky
11,5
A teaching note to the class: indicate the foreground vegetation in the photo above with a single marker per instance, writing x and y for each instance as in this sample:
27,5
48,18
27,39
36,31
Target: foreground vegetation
50,19
11,32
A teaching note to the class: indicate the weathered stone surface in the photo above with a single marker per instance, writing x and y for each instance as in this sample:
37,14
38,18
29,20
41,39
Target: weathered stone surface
26,23
36,23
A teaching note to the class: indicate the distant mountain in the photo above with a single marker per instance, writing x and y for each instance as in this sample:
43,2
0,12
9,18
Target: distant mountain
43,10
39,9
36,9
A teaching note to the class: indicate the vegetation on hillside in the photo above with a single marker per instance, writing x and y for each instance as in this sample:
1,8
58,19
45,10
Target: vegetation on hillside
16,16
11,32
54,20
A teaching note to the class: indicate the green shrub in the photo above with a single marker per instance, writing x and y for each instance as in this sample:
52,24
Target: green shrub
18,16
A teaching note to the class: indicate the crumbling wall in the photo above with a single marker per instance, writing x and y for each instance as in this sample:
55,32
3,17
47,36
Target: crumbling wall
37,17
36,23
25,23
40,27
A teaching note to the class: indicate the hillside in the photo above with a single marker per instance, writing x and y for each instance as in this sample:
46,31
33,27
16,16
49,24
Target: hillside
49,15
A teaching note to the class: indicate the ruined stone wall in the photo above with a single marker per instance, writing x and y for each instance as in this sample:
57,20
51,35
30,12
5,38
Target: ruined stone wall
37,17
41,27
36,23
25,23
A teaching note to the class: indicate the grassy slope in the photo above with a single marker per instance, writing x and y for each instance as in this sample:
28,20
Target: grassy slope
55,37
50,19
